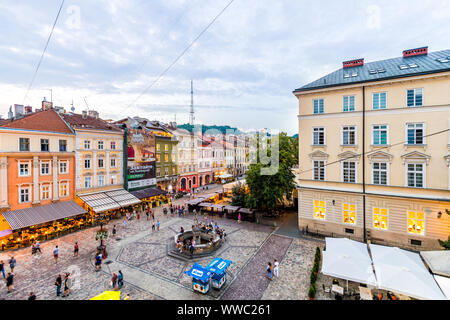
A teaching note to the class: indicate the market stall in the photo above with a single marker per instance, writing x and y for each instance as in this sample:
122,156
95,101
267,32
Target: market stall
200,278
153,197
218,268
247,214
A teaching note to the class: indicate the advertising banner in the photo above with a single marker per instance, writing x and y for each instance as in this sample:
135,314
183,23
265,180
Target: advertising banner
141,159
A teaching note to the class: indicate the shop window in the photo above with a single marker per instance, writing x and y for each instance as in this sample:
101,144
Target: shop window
349,213
416,222
319,209
380,218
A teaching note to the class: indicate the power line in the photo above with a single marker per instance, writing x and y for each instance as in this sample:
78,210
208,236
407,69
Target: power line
43,53
374,151
180,55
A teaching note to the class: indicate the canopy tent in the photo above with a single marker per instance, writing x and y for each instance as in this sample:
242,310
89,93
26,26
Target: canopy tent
148,193
218,265
231,208
23,218
444,284
107,295
199,273
349,260
196,201
437,261
206,204
245,210
403,272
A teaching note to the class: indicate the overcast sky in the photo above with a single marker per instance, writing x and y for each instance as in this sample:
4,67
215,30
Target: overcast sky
244,67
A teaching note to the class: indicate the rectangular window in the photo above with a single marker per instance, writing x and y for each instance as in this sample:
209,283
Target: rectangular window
158,172
24,169
349,213
44,145
415,97
63,189
415,175
87,163
100,145
349,171
113,162
348,136
174,172
63,145
24,195
63,167
379,173
158,157
319,170
380,134
24,144
319,209
415,133
101,181
166,147
318,106
101,163
166,157
380,218
416,222
319,136
158,147
87,182
379,100
87,144
45,192
166,171
348,103
113,145
45,168
113,179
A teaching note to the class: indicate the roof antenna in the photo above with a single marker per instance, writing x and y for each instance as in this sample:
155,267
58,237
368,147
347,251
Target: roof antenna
87,106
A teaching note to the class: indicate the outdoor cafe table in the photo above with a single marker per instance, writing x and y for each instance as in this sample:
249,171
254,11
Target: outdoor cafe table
337,289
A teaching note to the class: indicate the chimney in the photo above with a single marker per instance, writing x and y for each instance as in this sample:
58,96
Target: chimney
28,109
415,52
18,110
353,63
93,113
84,114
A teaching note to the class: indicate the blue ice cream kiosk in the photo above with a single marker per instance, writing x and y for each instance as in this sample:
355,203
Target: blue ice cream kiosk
200,278
218,267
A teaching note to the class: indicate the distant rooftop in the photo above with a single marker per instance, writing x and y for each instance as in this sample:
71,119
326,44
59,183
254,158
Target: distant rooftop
78,121
414,62
48,120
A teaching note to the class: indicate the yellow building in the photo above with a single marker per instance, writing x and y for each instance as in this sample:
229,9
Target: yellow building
396,113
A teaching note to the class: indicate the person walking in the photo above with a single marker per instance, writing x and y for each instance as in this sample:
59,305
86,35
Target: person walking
56,254
12,264
269,271
75,249
58,284
10,281
66,285
114,281
114,231
124,222
2,268
32,296
98,262
120,279
37,246
146,213
275,268
153,226
239,218
153,214
138,215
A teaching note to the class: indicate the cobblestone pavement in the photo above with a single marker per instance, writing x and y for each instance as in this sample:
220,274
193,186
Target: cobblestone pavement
150,274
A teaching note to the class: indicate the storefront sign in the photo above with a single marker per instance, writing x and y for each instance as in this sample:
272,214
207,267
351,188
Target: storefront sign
141,174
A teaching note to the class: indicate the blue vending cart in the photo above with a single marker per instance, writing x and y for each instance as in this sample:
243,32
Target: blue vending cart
200,278
218,267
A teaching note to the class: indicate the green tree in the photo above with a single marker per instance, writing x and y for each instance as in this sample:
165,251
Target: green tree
239,196
267,191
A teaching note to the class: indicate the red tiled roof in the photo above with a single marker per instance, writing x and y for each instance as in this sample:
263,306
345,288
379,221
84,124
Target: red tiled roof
47,120
76,121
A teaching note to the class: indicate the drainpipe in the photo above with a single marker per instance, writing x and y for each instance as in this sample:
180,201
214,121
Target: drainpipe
125,159
364,161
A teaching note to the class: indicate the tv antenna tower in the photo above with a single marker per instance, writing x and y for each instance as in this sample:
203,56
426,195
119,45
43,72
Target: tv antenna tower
191,115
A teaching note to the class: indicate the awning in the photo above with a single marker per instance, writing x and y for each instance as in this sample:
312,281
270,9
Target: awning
148,193
194,202
23,218
349,260
199,273
231,208
444,284
109,200
206,204
438,261
218,265
217,206
245,210
403,272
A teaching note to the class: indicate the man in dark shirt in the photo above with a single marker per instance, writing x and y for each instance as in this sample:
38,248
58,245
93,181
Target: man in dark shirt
9,281
32,296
